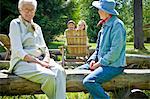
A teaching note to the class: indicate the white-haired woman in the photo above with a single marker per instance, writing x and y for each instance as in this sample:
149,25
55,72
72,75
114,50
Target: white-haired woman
30,57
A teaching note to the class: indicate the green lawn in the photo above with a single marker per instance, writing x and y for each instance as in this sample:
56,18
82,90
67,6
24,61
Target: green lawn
55,45
129,47
69,95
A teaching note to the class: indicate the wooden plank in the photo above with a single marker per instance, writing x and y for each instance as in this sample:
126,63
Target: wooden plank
74,60
14,85
137,71
130,58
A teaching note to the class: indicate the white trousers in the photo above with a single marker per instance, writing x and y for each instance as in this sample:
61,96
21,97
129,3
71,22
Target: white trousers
53,80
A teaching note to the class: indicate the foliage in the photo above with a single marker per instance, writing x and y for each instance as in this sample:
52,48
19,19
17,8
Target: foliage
52,16
85,11
146,12
90,15
125,10
8,12
2,49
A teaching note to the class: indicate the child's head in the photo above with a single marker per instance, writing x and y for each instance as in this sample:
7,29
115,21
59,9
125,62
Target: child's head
71,25
81,25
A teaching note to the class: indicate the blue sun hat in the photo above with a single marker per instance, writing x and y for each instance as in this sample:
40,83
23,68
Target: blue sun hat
106,5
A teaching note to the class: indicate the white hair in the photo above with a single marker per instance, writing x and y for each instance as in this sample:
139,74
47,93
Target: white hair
22,2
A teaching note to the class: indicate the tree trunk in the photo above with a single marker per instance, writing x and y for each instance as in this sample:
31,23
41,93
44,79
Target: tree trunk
138,28
130,78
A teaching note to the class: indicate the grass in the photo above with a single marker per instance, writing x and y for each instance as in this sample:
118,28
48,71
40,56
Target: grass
69,95
129,47
55,45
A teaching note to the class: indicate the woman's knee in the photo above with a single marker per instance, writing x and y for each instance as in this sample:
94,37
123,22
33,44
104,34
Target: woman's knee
61,70
47,76
87,82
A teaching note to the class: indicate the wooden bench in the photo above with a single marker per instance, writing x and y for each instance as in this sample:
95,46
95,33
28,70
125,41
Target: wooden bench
130,79
120,85
131,59
146,30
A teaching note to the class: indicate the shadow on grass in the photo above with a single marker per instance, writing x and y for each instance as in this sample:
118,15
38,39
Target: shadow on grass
55,45
135,51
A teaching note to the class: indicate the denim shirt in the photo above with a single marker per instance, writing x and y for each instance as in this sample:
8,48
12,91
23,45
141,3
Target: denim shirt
112,44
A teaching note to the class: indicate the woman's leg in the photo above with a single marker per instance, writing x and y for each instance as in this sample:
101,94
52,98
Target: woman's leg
38,74
102,74
60,81
84,66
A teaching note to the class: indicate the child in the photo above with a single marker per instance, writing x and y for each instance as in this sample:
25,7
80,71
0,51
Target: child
82,25
71,25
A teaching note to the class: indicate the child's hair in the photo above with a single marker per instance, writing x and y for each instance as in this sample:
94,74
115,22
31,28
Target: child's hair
85,25
71,21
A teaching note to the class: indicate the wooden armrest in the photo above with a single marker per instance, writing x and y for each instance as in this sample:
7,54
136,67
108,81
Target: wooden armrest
60,47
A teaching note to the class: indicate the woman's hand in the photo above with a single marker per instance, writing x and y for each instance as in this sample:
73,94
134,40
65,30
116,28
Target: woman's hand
43,63
94,65
51,62
32,59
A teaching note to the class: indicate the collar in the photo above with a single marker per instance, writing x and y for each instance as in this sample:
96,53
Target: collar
103,21
110,21
30,26
25,22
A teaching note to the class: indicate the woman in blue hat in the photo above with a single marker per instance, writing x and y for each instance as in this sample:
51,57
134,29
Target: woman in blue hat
109,59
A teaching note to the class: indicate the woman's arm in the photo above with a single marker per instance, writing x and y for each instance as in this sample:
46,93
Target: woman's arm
15,40
46,50
31,59
118,42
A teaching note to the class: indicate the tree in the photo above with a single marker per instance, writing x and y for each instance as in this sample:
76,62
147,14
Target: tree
52,16
138,25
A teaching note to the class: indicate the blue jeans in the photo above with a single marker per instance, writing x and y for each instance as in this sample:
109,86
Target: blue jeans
93,81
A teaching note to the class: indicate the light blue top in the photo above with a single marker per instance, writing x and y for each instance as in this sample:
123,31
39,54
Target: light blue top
23,41
112,44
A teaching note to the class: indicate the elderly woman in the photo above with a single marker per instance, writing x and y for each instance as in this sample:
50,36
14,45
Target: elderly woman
30,57
109,59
